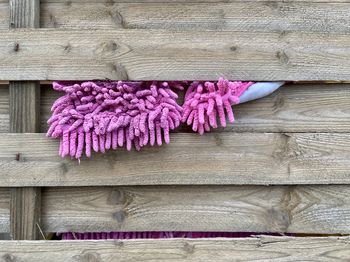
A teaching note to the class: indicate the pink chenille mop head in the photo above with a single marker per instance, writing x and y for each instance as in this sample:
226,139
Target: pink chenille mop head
205,101
105,114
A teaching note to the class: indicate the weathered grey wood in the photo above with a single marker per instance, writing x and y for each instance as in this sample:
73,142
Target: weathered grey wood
294,209
261,248
25,212
4,15
217,158
24,107
4,109
5,236
25,203
257,15
4,210
159,54
293,108
109,2
252,16
24,13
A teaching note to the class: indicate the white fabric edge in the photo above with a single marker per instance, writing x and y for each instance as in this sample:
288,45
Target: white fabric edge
259,90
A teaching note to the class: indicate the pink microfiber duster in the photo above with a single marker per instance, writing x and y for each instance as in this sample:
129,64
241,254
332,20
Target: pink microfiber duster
105,115
207,101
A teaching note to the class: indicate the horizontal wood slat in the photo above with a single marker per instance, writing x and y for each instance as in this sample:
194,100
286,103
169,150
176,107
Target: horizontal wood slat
295,209
293,108
221,158
250,16
184,15
262,248
158,54
109,2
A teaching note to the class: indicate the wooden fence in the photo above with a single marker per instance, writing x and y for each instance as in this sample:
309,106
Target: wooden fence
283,167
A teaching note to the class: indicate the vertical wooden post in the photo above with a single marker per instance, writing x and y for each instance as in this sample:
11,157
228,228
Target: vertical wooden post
24,13
25,203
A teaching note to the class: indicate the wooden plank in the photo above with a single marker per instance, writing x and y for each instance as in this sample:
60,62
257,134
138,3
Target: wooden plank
251,16
221,158
25,211
294,209
110,2
25,203
283,209
293,108
24,13
4,15
133,54
4,210
4,109
24,107
262,248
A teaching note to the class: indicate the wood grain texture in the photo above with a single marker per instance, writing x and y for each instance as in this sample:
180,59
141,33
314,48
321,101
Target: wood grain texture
24,107
24,13
133,54
25,212
111,2
222,158
293,209
4,210
304,209
293,108
261,248
4,109
25,203
252,16
4,15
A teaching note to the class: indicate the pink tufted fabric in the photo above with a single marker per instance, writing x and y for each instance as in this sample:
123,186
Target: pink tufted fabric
105,115
205,101
102,115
